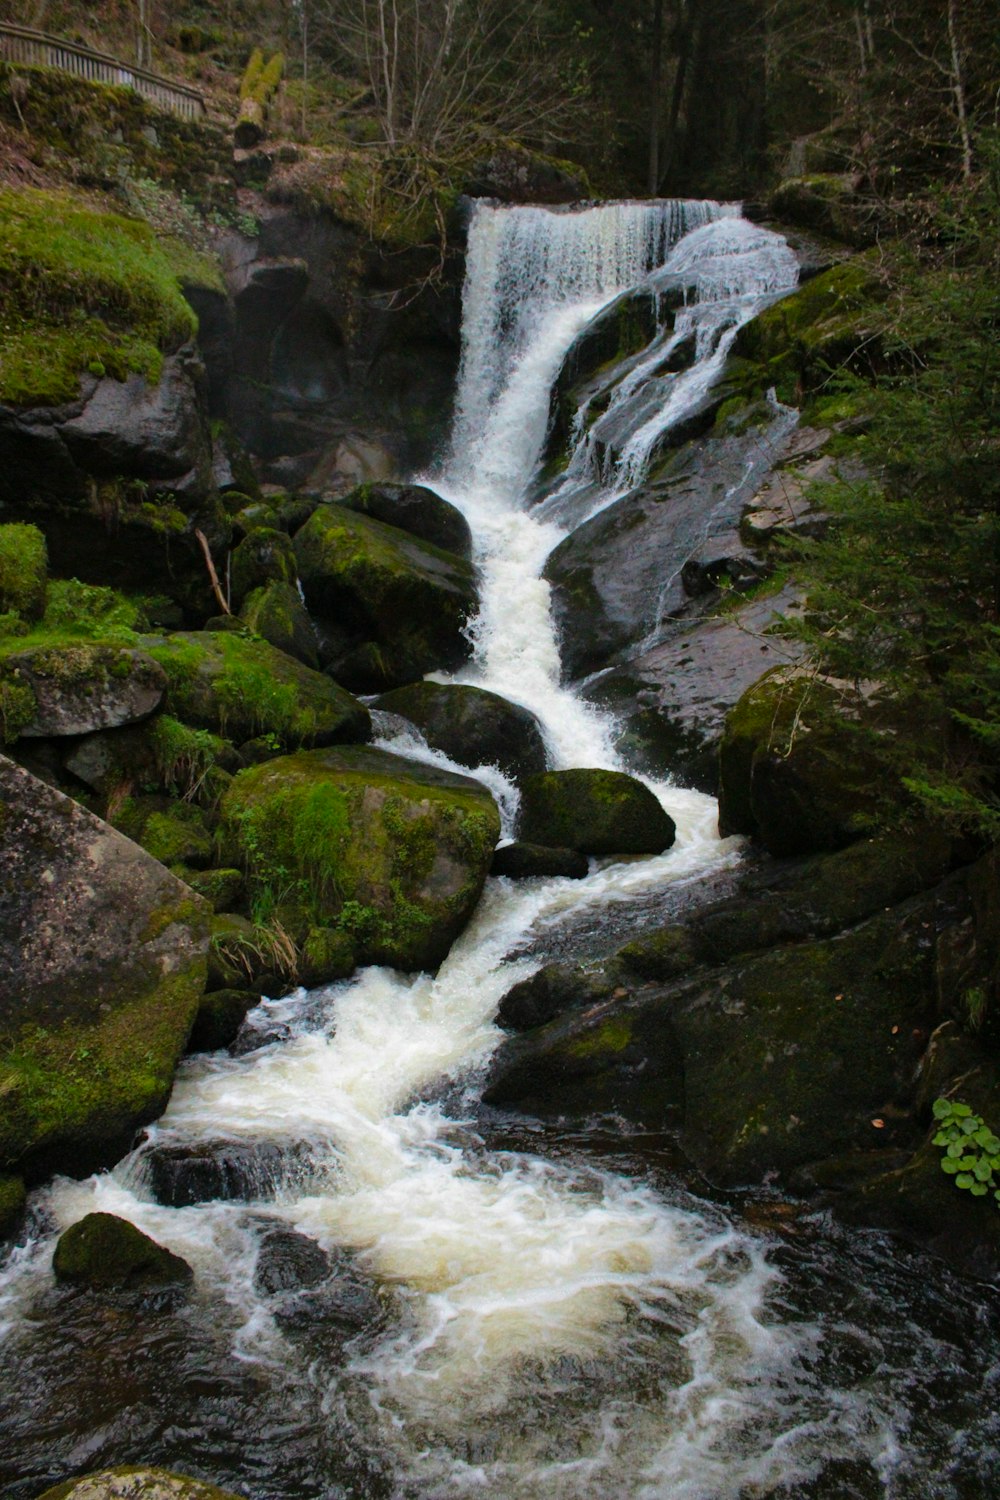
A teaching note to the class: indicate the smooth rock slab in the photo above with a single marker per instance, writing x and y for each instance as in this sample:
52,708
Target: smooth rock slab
136,1484
104,956
79,688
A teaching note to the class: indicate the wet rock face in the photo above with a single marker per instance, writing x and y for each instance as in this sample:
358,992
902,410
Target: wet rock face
131,1483
389,607
593,812
110,1254
521,861
220,1171
106,953
320,1293
472,726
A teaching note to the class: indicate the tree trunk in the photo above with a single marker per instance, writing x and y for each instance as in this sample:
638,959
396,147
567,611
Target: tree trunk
656,77
958,89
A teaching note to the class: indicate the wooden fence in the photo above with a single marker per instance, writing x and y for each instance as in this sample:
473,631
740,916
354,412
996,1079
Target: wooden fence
20,44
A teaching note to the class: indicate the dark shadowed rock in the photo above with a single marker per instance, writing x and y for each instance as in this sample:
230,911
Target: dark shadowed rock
277,613
110,1254
263,556
472,726
220,1171
106,956
151,432
521,861
554,989
594,812
221,1013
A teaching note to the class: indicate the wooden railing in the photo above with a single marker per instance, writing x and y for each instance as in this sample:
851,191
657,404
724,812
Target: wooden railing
20,44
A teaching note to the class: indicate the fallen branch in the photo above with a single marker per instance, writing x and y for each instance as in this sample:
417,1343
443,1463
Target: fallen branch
212,574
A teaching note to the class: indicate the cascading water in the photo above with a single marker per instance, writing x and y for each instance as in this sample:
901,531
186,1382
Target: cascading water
548,1328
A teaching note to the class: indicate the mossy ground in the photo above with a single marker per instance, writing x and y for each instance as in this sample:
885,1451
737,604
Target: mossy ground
83,290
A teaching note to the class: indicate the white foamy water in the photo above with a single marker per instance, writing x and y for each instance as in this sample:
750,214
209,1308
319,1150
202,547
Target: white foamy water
635,1330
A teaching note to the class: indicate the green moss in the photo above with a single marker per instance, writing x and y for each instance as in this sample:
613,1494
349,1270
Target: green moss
23,570
611,1037
103,1251
12,1201
18,707
80,288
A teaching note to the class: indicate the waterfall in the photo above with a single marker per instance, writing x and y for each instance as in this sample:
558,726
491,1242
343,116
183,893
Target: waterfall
555,1331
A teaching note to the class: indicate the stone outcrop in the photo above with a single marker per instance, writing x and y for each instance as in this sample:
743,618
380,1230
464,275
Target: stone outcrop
107,956
593,812
79,687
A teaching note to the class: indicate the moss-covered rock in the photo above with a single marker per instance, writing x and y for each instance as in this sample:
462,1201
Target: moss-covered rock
391,607
220,1015
472,726
108,1253
173,832
12,1201
276,612
79,687
264,556
793,770
594,812
416,509
242,688
392,852
23,571
108,951
222,889
130,1483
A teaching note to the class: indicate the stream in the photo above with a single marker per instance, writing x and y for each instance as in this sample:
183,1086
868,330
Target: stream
408,1294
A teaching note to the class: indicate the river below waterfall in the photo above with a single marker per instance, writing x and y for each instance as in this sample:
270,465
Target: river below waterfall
411,1295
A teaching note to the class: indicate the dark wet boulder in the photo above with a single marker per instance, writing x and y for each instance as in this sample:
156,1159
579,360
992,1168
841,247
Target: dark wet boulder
389,606
391,852
220,1015
276,612
472,726
110,1254
220,1171
106,956
288,1261
521,861
313,1291
78,687
13,1198
551,991
594,812
242,688
131,1483
417,509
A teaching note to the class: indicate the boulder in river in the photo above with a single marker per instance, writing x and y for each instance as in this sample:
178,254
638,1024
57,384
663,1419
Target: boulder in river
105,953
389,606
108,1253
521,861
472,726
131,1483
276,612
392,852
594,812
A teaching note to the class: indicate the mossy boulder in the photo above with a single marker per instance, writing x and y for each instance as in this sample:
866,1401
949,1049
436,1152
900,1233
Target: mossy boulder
794,771
389,606
242,688
172,831
594,812
264,556
276,612
392,852
129,1483
222,889
472,726
79,687
110,1254
23,571
416,509
829,203
106,954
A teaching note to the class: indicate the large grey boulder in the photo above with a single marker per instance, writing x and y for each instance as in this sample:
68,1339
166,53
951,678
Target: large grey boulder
149,431
81,687
104,953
